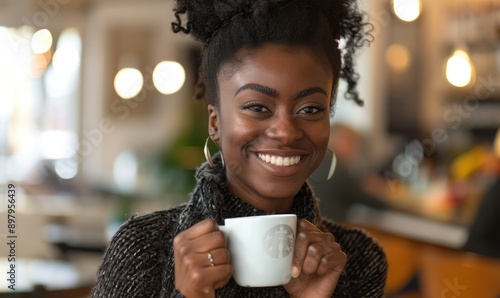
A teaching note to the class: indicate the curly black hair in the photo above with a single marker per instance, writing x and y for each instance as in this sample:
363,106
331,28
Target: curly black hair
225,26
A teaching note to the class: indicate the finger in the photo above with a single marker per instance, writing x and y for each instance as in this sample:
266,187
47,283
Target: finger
212,240
222,275
203,227
208,279
305,225
219,257
214,277
334,261
202,260
307,233
182,242
322,257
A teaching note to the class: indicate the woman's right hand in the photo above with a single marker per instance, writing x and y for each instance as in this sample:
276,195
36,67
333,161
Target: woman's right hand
194,274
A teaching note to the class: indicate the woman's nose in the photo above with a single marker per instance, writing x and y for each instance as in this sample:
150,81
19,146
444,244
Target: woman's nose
284,129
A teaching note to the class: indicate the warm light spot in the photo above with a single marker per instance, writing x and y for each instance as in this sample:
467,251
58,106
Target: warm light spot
41,41
66,59
407,10
128,82
398,57
39,63
459,69
169,77
63,75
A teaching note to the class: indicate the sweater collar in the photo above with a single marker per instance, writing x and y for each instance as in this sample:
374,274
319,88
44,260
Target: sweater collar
212,194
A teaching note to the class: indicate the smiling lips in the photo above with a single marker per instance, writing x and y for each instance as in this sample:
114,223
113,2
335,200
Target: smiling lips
281,161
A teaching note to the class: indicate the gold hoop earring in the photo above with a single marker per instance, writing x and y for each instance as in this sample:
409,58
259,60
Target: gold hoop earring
208,156
331,169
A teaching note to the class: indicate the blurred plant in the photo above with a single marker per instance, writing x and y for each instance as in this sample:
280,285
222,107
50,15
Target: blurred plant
178,162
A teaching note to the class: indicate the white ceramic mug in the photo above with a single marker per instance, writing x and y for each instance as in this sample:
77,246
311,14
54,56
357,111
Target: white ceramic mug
261,248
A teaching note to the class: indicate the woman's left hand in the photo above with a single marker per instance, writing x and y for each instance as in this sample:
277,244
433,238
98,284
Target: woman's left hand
317,264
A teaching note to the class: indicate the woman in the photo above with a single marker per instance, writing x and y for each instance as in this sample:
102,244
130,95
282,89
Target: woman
271,70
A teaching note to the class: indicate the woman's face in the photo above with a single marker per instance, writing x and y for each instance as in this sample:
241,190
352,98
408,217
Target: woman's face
272,124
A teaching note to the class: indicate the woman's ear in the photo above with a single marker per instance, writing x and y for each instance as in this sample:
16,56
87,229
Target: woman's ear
213,122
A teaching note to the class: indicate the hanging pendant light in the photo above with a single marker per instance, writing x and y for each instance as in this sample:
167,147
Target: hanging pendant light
459,68
407,10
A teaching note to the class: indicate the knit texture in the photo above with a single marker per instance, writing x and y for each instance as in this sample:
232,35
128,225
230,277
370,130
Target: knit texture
139,261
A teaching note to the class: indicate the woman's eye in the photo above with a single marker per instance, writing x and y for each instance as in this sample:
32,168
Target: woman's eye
257,108
312,110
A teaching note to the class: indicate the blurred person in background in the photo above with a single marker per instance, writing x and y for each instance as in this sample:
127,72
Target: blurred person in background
484,231
347,185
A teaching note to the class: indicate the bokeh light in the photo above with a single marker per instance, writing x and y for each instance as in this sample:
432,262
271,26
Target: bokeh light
459,69
169,77
39,64
41,41
407,10
398,57
66,58
66,168
128,82
58,144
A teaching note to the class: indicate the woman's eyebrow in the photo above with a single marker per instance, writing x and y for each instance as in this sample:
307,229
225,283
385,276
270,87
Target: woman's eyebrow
259,88
274,93
309,91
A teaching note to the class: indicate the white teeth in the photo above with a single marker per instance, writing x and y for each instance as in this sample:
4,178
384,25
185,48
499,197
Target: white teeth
280,160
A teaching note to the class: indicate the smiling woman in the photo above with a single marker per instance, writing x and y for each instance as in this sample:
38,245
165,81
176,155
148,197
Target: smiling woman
270,70
264,112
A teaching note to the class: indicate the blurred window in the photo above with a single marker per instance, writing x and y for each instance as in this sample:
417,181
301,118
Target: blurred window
39,94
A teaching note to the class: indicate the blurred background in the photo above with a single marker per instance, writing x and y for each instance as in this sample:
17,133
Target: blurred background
98,122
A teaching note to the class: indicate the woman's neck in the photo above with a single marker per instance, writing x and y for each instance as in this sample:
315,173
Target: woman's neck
269,205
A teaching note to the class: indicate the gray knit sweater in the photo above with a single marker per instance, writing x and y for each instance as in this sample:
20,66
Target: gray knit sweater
139,261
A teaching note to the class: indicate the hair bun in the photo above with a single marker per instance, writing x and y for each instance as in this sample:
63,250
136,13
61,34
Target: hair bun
204,17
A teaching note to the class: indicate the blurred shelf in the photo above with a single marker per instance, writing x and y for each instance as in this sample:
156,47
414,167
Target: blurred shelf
410,226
